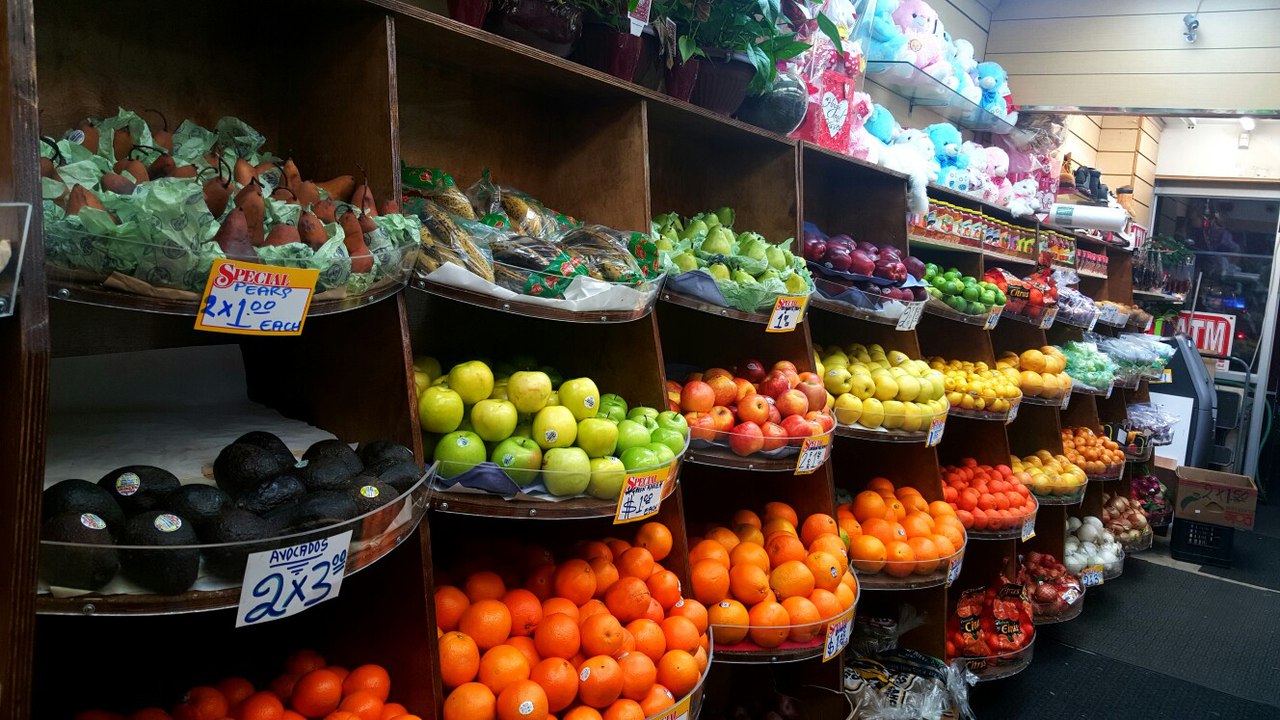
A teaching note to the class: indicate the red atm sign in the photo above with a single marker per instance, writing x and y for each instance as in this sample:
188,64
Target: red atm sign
1212,333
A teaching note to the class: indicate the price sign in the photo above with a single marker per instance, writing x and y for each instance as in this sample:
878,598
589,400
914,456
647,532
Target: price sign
1165,377
285,581
1029,528
953,569
1093,322
813,452
1013,413
1066,399
1070,596
641,495
787,311
1091,576
992,319
1049,317
911,316
251,299
640,16
936,427
837,636
679,711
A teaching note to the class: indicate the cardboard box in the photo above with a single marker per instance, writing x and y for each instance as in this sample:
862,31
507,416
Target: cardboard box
1215,498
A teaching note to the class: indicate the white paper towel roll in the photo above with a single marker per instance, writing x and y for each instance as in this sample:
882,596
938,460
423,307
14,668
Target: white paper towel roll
1088,217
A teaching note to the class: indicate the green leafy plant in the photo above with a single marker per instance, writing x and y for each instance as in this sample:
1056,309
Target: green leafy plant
609,12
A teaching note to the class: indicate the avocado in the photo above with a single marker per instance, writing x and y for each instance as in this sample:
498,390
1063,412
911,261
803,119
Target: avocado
334,450
270,443
370,495
78,566
315,510
327,474
271,494
379,450
82,496
235,526
164,570
139,488
240,466
199,503
400,476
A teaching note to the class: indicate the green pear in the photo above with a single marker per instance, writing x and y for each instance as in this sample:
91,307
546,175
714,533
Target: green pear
719,271
685,261
778,259
796,284
742,277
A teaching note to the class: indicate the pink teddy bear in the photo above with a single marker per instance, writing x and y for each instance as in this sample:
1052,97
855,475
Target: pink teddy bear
998,169
924,33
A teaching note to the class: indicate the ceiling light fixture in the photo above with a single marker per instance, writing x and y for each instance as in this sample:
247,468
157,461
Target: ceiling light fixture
1247,123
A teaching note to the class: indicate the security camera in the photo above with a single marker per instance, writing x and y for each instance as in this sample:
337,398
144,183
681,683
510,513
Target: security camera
1193,24
1191,123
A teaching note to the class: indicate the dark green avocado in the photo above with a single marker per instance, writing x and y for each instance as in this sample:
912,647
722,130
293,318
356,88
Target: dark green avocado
372,494
371,454
240,466
235,526
164,570
270,443
82,496
327,474
139,488
81,566
272,493
401,476
315,510
334,450
199,503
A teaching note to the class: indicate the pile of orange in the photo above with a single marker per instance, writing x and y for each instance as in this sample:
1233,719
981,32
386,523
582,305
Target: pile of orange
771,578
986,497
898,532
603,635
309,689
1095,454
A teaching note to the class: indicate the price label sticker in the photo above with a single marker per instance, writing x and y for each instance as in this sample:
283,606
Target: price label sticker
837,637
787,312
1066,399
1013,413
911,316
251,299
1049,317
992,319
1029,528
1070,595
953,569
1091,576
640,16
679,711
1093,322
936,427
1165,377
813,452
641,495
285,581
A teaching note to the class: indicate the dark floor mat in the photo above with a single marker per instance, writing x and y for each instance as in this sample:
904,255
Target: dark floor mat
1267,519
1064,683
1255,559
1187,626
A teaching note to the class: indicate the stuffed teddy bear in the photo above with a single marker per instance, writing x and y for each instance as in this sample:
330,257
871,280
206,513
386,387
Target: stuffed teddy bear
882,125
923,31
862,144
887,40
992,79
980,183
1022,199
911,153
949,154
998,169
965,64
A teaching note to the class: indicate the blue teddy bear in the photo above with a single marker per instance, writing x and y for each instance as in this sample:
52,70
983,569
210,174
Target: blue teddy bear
992,79
887,39
949,152
881,124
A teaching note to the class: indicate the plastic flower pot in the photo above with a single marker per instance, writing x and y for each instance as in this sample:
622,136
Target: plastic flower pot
722,81
609,50
543,24
469,12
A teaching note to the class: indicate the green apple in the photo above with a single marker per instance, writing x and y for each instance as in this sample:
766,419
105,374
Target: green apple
607,477
473,380
553,399
556,378
522,361
662,452
644,415
499,390
612,412
421,381
519,457
466,424
668,438
429,365
613,400
566,471
639,457
632,434
494,420
502,371
671,420
458,452
581,396
529,390
439,409
597,436
554,427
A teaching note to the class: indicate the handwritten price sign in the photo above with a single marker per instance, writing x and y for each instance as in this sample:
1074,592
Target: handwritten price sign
250,299
641,495
787,312
837,636
1091,576
285,581
910,317
813,452
936,426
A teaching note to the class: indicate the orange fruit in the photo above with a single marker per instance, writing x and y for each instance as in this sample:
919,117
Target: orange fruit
825,569
918,524
599,681
650,640
846,596
617,546
304,661
678,671
804,617
526,611
541,581
710,579
769,622
925,553
582,712
235,690
826,603
459,659
702,659
749,533
749,553
784,548
527,647
709,550
342,715
209,703
748,584
522,700
389,711
636,562
606,575
486,585
589,608
488,622
746,517
939,508
726,537
695,611
628,599
557,636
781,510
664,586
681,633
282,686
639,673
868,504
729,622
364,704
601,635
878,528
817,525
592,549
554,605
791,579
261,706
953,532
575,580
317,693
778,525
624,709
943,545
450,603
656,612
469,702
850,526
658,699
901,560
656,538
501,666
151,713
880,485
558,678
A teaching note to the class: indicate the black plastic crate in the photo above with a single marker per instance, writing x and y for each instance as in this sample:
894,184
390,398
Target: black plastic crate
1200,543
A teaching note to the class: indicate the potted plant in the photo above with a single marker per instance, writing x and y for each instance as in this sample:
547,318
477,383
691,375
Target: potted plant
552,26
469,12
608,43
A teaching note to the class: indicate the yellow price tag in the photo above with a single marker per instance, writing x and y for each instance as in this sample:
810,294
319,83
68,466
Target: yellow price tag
251,299
787,313
641,495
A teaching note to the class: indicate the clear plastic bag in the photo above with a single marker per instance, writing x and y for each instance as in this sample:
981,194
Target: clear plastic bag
1089,367
907,685
1152,419
1135,355
508,207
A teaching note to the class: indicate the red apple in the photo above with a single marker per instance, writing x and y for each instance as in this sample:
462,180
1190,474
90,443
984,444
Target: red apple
815,392
793,402
753,408
775,417
701,425
673,386
723,417
753,370
746,438
774,384
716,372
745,387
697,396
693,376
822,418
785,365
725,388
797,429
774,436
810,376
673,406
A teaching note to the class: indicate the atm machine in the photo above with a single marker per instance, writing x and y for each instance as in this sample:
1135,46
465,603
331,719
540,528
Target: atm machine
1190,395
